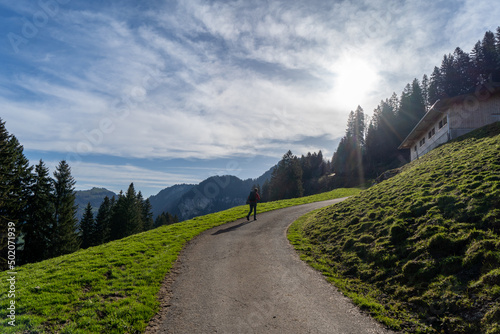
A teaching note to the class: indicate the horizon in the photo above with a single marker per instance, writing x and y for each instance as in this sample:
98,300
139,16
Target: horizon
163,93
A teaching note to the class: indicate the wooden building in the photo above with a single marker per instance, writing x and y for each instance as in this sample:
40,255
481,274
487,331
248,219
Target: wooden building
452,117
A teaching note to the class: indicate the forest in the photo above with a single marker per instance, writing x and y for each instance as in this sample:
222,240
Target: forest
43,209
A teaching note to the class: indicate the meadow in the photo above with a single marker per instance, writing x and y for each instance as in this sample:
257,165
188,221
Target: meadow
111,288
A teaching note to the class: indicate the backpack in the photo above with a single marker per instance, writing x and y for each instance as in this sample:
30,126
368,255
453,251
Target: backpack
252,197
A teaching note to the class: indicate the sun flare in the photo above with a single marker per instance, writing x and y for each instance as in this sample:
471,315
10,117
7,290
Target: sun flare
355,79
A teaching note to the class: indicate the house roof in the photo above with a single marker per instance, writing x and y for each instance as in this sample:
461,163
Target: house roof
439,109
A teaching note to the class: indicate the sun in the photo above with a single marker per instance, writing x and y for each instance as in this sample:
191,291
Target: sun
354,80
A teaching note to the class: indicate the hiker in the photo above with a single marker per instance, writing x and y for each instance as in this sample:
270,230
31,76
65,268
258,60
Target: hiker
252,201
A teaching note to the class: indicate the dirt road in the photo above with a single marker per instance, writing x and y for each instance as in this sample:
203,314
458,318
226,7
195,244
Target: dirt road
244,277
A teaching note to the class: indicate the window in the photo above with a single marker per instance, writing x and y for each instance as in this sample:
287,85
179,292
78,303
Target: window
445,121
440,124
422,141
432,133
415,148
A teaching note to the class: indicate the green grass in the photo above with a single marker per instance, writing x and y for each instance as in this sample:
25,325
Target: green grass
420,251
112,288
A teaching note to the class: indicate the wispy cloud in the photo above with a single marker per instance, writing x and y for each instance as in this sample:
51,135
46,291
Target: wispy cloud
197,79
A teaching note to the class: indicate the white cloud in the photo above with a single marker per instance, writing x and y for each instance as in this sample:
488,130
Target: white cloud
196,81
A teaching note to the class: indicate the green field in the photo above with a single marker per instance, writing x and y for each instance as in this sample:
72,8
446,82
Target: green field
420,251
111,288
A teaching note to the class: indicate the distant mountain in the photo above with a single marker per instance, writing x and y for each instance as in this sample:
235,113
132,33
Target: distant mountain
185,200
95,196
167,199
214,194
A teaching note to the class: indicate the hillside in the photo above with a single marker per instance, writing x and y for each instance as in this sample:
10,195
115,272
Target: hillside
420,251
113,287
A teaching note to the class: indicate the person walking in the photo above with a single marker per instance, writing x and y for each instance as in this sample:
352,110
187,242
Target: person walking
252,201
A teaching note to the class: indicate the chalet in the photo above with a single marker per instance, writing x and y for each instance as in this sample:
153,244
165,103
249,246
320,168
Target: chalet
452,117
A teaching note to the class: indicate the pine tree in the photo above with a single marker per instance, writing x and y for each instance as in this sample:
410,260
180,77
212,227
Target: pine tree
425,91
463,67
15,183
286,179
435,86
127,215
489,54
37,231
88,228
65,234
147,215
102,221
117,219
382,139
347,161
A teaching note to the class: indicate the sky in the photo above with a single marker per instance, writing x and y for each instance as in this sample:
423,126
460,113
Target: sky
168,92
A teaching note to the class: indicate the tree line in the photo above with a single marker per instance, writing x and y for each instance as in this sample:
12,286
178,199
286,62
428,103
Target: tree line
369,148
297,176
44,212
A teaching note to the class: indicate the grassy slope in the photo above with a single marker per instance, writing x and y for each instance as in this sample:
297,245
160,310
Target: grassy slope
111,288
420,251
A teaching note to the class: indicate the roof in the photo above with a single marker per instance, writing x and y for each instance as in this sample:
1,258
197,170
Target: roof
438,110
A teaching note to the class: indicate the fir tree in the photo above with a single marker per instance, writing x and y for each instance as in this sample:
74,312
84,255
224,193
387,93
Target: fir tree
37,231
65,234
88,228
103,219
286,179
147,215
15,182
127,215
347,161
117,218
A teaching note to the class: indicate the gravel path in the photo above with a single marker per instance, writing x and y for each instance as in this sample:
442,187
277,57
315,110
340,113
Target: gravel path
244,277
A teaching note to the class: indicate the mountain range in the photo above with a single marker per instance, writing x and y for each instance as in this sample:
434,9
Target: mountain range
186,200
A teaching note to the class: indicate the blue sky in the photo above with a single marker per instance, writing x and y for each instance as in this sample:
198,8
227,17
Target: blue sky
166,92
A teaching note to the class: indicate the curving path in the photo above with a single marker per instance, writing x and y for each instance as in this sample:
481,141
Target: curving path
244,277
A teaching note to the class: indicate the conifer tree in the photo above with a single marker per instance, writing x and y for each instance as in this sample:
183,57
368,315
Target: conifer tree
147,215
347,161
102,221
127,215
65,234
15,182
286,179
435,86
117,219
133,223
88,228
37,231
